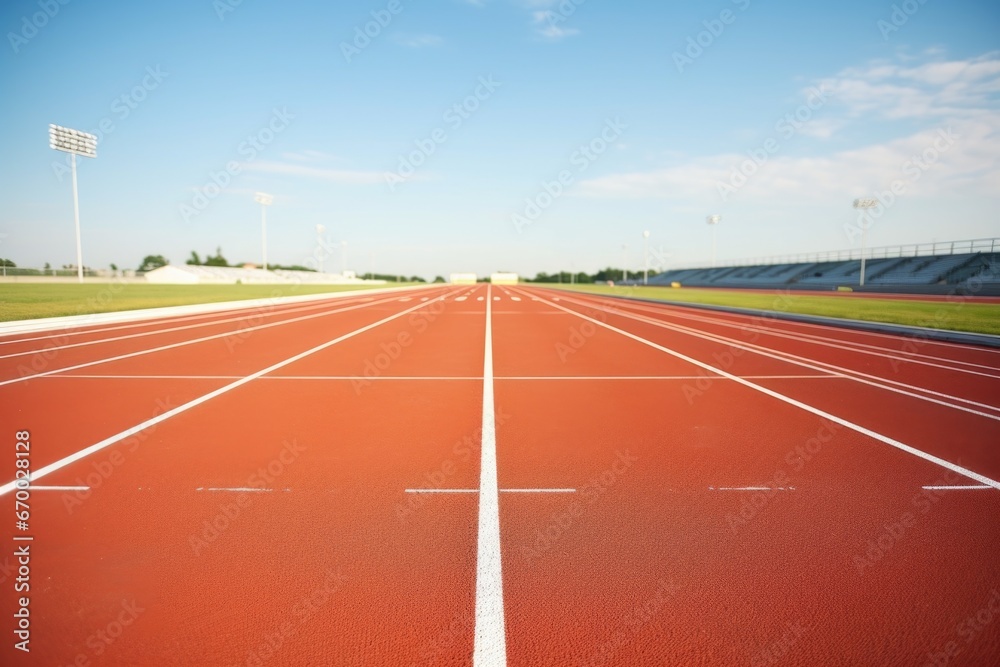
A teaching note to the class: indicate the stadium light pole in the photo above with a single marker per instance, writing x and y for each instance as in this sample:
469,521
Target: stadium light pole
264,200
320,230
712,221
864,204
343,257
624,262
645,253
75,143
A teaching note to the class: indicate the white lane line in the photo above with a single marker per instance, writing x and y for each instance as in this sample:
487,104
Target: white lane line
496,298
537,490
965,472
663,377
192,341
138,428
423,298
967,487
245,317
359,378
237,489
33,487
479,298
850,345
405,298
441,490
795,360
461,298
751,488
490,645
515,298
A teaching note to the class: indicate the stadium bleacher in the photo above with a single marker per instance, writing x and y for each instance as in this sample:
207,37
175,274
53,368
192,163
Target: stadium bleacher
969,271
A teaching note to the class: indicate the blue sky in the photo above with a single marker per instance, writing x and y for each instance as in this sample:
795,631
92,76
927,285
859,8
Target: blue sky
522,135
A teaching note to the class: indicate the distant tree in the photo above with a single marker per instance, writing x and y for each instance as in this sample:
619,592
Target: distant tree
217,260
194,259
151,262
417,279
439,279
114,267
8,263
47,266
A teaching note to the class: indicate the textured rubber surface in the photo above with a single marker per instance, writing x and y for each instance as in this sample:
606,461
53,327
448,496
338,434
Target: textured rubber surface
652,511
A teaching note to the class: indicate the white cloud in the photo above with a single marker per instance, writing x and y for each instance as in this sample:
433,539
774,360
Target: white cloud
345,176
547,23
943,98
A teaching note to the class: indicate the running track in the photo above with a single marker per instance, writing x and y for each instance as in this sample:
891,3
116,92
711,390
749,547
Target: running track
502,475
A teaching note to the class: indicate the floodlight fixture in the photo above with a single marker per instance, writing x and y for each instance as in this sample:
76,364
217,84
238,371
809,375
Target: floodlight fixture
264,200
864,204
75,143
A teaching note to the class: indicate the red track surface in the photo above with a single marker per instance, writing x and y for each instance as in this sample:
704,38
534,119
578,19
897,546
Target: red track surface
270,522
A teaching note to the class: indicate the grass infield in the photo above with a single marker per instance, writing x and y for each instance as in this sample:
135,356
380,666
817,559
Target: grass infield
25,301
957,314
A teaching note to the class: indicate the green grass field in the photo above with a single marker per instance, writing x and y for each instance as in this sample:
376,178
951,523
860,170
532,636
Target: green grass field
960,315
23,301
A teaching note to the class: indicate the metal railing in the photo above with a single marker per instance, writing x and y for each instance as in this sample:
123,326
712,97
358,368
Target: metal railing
991,245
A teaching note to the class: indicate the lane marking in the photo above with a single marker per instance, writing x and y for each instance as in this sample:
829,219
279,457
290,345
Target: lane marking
461,298
663,377
967,487
850,346
515,298
751,488
496,298
191,342
57,488
490,646
846,344
138,428
795,360
479,298
236,489
275,313
500,490
965,472
268,377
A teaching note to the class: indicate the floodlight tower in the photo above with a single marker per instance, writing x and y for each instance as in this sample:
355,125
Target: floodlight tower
712,221
320,230
645,253
864,204
75,143
264,200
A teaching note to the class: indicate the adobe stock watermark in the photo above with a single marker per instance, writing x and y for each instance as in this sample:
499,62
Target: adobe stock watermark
35,22
637,618
364,34
581,158
120,108
453,117
100,641
969,629
913,168
898,17
786,127
893,532
554,17
698,43
249,149
775,651
562,521
257,484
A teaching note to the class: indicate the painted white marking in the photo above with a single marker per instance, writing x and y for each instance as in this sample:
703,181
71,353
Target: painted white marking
442,490
236,489
268,377
33,487
490,644
190,342
423,298
965,472
658,377
515,298
751,488
479,298
795,360
496,298
461,298
967,487
537,490
138,428
405,298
